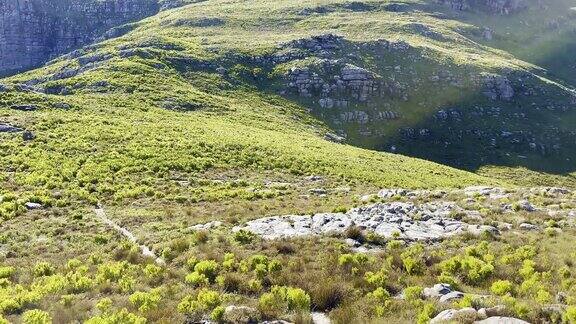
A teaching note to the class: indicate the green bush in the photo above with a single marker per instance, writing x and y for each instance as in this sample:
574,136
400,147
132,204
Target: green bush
205,301
281,299
207,268
146,301
42,269
36,316
474,269
413,293
570,314
197,279
501,287
244,236
6,272
117,317
217,314
412,259
377,279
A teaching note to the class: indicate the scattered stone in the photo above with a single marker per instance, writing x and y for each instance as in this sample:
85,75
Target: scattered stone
241,315
314,178
448,315
33,205
451,296
207,226
24,107
504,226
28,136
497,310
526,205
320,318
5,128
3,88
561,297
389,193
437,291
501,320
528,227
478,230
318,191
352,243
491,192
334,138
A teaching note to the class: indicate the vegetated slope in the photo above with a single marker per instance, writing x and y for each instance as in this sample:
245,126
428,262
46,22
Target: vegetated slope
411,78
132,116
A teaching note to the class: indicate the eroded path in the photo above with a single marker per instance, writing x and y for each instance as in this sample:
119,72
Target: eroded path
146,251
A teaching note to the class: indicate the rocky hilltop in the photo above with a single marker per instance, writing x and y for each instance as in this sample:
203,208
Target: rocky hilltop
493,6
33,31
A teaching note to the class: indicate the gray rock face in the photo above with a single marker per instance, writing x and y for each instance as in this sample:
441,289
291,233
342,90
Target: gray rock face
501,320
437,291
503,7
33,205
408,221
6,128
206,226
498,87
33,31
528,227
454,314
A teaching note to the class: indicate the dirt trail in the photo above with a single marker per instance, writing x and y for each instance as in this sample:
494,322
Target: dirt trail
147,252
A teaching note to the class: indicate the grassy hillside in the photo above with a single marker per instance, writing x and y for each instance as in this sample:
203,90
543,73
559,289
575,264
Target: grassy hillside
199,114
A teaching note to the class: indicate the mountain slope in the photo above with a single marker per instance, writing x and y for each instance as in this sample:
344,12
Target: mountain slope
401,78
169,138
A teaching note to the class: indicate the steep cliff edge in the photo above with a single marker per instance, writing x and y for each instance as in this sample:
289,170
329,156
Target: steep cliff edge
33,31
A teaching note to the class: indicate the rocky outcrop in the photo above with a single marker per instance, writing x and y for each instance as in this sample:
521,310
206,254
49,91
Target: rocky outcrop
34,31
408,221
504,7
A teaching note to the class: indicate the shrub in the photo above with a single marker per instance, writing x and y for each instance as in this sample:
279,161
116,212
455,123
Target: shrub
377,279
208,268
122,316
426,314
42,269
104,305
380,295
229,262
570,314
79,283
244,236
501,287
527,269
274,266
217,314
197,279
412,259
282,298
191,263
413,293
6,272
474,269
230,282
543,296
36,316
206,301
260,271
146,301
153,272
